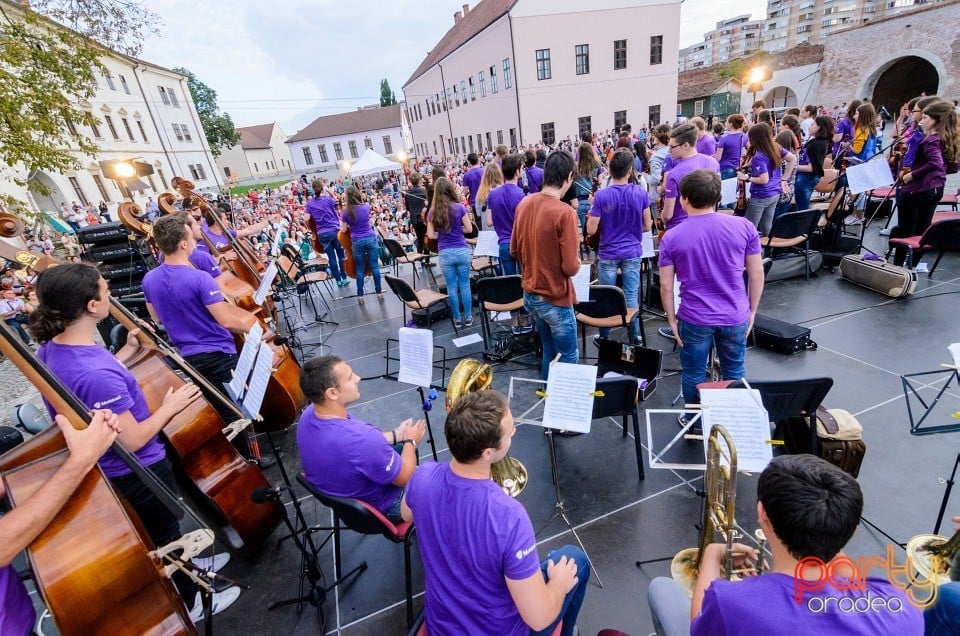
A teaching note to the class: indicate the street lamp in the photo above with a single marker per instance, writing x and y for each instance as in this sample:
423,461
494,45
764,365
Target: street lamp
756,80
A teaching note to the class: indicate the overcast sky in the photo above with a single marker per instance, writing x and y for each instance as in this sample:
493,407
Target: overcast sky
294,60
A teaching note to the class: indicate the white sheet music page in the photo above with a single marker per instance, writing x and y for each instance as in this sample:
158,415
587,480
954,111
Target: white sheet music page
258,381
569,403
487,244
261,294
869,175
416,356
741,412
248,353
581,283
955,352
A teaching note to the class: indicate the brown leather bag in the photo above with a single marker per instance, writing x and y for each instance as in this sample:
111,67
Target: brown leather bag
838,438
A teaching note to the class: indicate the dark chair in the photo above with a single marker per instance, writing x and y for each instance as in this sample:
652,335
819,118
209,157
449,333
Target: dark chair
607,307
791,233
425,299
620,398
497,294
942,236
291,274
361,517
400,255
315,264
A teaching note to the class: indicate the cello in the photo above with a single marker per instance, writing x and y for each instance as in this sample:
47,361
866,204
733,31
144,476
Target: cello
197,434
93,564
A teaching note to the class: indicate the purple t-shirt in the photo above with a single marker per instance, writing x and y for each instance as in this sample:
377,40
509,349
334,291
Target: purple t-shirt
180,296
845,130
16,608
360,228
202,260
348,458
620,208
453,238
471,181
708,257
534,179
101,382
913,144
765,605
679,170
472,536
502,203
732,146
323,209
707,145
219,241
761,164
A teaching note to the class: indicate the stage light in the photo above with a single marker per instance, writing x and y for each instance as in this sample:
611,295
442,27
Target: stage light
402,156
124,170
347,166
756,75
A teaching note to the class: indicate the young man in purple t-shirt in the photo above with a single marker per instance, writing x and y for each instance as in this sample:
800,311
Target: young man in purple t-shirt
472,179
502,205
708,257
808,509
479,552
532,172
683,150
624,211
347,457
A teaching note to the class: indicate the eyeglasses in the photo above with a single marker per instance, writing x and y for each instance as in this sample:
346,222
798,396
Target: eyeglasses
916,110
672,146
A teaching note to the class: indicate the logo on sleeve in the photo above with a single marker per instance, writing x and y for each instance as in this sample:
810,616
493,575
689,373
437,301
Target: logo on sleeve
103,403
523,553
389,467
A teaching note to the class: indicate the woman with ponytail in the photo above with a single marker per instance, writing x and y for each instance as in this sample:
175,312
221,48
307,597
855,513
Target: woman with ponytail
765,176
366,248
448,221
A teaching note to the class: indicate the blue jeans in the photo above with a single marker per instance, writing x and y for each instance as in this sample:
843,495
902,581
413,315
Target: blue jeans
803,189
508,264
669,607
731,344
943,619
760,212
557,327
455,265
366,251
630,269
331,245
574,598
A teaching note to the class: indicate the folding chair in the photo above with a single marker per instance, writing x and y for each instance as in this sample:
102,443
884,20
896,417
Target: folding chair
942,236
320,263
361,517
620,398
425,299
791,233
400,255
303,281
607,307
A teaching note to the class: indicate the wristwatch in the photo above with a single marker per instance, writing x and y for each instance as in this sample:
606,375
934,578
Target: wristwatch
408,441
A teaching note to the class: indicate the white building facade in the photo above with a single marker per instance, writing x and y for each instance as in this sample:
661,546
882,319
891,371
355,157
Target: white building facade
335,140
520,72
262,152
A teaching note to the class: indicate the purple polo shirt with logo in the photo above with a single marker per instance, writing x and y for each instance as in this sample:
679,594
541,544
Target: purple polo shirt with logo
453,238
323,209
348,458
202,260
679,170
761,164
502,203
620,209
732,146
180,296
472,536
471,181
101,382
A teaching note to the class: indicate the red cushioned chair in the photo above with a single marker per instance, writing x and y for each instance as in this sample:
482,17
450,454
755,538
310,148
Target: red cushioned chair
942,236
361,517
949,199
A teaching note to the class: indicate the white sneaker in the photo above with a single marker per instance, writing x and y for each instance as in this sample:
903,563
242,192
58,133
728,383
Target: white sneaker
922,268
214,563
853,219
221,601
885,232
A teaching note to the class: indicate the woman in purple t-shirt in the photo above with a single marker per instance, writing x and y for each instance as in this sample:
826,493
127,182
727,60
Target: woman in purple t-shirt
764,176
366,248
448,220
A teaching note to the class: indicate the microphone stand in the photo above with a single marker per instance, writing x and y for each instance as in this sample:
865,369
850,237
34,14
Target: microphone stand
205,580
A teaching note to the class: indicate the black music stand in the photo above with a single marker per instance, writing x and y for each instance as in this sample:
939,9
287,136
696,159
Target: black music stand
916,425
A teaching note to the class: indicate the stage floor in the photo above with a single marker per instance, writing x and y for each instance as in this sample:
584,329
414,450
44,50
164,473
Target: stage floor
866,341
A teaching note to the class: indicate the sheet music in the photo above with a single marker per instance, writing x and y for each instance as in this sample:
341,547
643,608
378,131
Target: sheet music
955,352
741,412
569,403
646,245
487,244
275,248
261,294
245,362
869,175
728,191
581,283
416,356
253,400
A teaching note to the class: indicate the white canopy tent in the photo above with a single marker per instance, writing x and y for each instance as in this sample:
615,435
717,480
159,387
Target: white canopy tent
371,163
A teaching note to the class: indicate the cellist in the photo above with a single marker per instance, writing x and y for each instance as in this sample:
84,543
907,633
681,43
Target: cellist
23,524
73,299
214,231
322,208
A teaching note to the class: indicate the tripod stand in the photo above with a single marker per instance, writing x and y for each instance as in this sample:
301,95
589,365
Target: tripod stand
559,509
316,595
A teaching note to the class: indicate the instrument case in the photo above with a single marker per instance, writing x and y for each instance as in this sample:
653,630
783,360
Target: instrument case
781,337
838,438
880,276
627,359
793,265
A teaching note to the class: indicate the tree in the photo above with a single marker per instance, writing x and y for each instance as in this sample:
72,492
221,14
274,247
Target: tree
217,126
387,98
46,73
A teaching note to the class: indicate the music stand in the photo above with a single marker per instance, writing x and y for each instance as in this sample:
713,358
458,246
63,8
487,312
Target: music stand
559,510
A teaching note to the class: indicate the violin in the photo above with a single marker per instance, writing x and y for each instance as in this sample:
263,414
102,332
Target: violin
197,434
592,241
741,206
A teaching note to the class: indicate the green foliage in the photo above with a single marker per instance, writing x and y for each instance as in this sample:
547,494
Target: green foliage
387,97
121,25
217,127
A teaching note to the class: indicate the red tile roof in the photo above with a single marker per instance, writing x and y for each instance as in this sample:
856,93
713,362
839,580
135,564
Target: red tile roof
352,122
256,137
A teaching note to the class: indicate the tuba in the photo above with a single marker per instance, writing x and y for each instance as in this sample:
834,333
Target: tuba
935,558
471,375
720,481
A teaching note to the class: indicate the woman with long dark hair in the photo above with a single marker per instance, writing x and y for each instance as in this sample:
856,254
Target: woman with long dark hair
73,298
810,164
843,131
765,176
366,248
936,156
448,221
